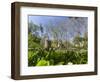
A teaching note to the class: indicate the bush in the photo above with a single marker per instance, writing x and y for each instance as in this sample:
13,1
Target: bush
42,63
42,57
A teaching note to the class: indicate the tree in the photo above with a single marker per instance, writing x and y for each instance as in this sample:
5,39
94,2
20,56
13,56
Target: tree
33,28
81,41
33,41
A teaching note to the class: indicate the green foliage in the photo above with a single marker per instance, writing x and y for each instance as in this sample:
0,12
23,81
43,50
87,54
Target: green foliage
32,27
42,63
80,42
42,57
33,41
59,51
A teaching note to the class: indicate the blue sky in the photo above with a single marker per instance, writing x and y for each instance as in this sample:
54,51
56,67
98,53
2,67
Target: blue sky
45,19
71,24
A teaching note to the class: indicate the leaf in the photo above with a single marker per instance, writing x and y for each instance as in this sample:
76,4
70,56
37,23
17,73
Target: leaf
43,63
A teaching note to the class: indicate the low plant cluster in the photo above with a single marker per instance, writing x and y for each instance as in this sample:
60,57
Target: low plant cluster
43,57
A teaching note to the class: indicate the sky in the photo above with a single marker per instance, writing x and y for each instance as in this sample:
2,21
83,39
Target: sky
39,19
61,23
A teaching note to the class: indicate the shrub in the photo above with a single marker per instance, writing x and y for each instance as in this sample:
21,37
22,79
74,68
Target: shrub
43,57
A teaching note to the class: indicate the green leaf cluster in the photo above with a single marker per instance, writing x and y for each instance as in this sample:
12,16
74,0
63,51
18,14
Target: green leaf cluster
42,57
